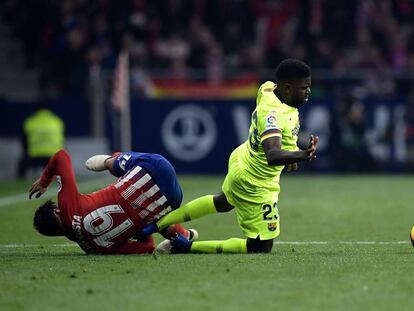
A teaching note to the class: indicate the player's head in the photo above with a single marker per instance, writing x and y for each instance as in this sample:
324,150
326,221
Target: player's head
47,220
293,79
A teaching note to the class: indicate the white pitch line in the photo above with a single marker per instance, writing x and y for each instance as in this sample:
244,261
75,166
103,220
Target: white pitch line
16,198
374,242
341,242
301,242
276,242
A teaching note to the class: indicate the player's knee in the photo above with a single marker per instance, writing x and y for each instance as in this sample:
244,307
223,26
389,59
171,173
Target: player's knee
221,203
259,246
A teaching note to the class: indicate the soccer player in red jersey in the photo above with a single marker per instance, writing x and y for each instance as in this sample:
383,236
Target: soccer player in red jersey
106,221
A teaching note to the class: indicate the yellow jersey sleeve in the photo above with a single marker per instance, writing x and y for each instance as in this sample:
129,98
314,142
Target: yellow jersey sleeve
268,122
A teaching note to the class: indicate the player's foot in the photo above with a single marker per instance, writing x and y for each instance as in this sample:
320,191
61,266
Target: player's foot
193,236
180,245
97,162
165,246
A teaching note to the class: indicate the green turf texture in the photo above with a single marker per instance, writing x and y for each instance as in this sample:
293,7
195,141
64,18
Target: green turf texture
51,274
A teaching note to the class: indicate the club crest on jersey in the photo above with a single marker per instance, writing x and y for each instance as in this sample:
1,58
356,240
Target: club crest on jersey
272,226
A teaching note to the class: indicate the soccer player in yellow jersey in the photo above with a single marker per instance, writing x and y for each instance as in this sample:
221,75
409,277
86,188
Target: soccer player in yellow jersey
252,182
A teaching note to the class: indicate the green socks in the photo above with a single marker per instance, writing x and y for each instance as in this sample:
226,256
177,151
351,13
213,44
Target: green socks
233,245
192,210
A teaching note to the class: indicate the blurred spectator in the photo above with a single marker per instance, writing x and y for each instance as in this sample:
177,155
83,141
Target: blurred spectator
360,47
348,143
215,40
42,136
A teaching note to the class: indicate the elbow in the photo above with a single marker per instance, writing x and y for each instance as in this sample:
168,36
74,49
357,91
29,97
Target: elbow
274,162
273,159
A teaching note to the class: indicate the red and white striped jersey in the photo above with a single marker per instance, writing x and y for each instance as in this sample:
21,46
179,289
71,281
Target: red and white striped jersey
140,191
105,220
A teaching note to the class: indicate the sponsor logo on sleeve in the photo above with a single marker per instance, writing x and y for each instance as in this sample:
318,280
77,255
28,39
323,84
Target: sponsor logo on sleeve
271,121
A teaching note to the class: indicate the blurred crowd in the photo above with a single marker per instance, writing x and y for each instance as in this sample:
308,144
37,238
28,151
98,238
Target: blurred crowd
214,40
357,49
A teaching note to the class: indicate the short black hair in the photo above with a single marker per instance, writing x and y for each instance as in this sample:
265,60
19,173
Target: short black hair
45,220
292,69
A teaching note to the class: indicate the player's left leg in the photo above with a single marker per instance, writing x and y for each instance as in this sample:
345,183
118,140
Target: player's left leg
234,245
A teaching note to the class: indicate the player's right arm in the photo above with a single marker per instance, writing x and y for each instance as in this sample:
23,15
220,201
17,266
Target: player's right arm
272,147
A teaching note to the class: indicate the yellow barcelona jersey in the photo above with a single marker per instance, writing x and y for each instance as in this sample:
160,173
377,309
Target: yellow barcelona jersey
270,118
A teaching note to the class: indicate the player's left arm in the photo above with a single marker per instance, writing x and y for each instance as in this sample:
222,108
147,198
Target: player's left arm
272,147
270,128
313,141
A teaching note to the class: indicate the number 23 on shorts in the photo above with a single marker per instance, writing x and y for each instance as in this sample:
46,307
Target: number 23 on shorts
270,212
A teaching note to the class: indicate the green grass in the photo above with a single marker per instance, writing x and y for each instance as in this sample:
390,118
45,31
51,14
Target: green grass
49,274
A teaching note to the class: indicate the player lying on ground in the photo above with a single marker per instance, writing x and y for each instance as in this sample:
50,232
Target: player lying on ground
107,220
252,181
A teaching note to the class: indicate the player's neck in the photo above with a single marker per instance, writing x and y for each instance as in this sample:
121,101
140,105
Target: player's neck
281,98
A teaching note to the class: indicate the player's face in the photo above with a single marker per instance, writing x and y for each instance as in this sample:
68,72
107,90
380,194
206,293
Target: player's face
300,91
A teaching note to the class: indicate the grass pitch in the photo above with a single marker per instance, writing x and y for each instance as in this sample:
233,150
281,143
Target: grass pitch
344,246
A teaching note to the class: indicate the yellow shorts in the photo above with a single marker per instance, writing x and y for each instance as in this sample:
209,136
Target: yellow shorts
255,202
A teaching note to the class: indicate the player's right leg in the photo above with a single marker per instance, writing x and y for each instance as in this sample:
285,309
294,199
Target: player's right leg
195,209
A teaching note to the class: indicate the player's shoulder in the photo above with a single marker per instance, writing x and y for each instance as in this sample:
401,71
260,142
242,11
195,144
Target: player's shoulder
266,96
266,89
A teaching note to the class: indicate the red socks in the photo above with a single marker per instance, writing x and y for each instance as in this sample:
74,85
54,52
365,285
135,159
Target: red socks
173,230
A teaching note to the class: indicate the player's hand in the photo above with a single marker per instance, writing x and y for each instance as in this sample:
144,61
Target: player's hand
311,151
292,167
37,189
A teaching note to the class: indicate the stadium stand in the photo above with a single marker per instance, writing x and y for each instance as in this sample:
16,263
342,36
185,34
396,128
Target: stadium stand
213,40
